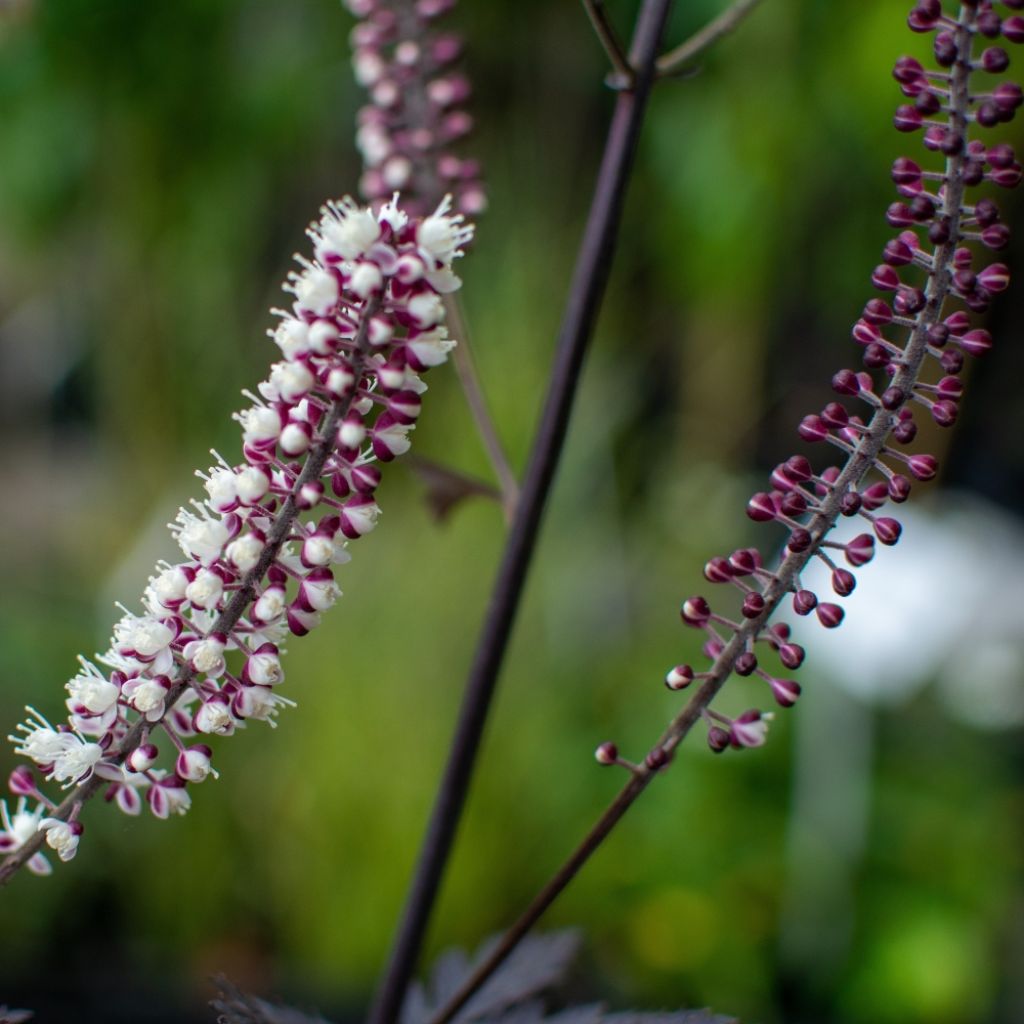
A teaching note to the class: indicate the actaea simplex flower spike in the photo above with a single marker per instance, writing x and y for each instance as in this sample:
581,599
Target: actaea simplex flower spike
409,131
934,274
203,657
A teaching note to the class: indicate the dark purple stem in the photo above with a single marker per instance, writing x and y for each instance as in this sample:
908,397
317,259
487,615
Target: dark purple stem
588,286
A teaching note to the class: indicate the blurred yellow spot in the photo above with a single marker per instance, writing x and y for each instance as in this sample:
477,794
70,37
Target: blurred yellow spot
674,929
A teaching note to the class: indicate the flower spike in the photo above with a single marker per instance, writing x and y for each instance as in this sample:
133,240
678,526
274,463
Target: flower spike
260,551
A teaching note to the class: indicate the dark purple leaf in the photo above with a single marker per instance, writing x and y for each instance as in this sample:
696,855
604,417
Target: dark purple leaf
237,1007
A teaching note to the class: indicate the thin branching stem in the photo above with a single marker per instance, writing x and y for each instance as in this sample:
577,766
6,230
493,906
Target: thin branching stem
675,61
465,368
605,31
589,280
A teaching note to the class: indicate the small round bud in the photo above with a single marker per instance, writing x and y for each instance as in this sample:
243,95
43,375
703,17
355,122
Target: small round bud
679,677
606,753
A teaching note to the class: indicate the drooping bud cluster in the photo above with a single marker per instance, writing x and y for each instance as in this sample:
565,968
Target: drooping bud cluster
416,115
260,549
914,339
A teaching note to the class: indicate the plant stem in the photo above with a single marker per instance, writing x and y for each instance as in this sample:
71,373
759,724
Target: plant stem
587,289
673,61
610,41
858,464
465,368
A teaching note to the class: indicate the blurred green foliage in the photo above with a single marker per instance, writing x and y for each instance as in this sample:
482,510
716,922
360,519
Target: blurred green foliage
158,162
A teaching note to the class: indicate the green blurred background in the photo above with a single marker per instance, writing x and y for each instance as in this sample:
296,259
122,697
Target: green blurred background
158,163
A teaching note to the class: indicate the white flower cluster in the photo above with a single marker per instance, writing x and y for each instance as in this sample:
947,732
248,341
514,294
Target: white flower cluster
260,550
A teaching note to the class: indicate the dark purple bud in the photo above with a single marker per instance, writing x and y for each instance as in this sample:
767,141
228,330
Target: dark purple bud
1008,96
799,540
746,664
860,550
365,479
945,49
1001,155
851,503
923,467
845,383
996,236
804,602
791,655
899,215
989,24
865,333
977,342
779,633
761,508
811,428
1007,177
843,582
835,415
887,530
973,172
877,311
828,477
909,301
744,561
753,605
952,360
995,60
679,678
899,488
695,611
798,468
907,69
21,781
1013,29
926,102
876,356
965,280
950,387
907,118
905,171
893,398
793,504
945,413
718,739
885,278
951,142
717,570
995,278
938,335
957,323
897,253
829,615
606,753
875,495
922,208
985,212
905,431
785,691
940,231
989,114
656,759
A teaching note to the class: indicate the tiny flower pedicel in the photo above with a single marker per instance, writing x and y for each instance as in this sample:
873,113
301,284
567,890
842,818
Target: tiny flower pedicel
260,550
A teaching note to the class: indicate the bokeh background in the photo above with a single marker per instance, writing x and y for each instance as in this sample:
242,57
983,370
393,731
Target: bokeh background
158,162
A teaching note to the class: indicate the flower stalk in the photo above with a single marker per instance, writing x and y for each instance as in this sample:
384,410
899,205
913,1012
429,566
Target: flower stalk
808,503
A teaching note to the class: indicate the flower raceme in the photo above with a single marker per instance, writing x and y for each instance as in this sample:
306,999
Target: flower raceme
260,549
914,338
406,133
